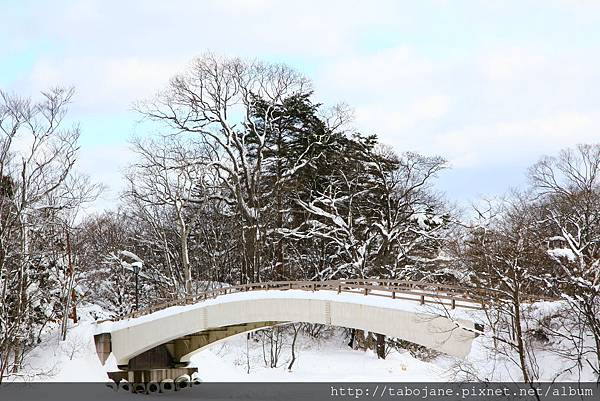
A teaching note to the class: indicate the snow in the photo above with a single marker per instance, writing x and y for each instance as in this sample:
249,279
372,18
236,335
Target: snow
422,220
326,360
75,359
488,365
131,255
556,238
558,253
72,360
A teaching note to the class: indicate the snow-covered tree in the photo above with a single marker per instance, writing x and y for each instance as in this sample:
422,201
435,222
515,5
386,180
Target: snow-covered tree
40,193
216,100
504,254
371,212
169,174
567,190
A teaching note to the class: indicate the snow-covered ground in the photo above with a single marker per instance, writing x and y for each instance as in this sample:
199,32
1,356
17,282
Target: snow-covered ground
72,360
325,359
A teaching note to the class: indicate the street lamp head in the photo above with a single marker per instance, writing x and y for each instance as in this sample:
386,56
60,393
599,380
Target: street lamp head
137,266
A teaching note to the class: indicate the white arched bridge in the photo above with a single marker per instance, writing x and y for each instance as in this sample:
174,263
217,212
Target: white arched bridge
155,343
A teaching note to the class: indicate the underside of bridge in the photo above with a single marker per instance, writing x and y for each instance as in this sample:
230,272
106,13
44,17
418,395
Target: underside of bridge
176,353
168,362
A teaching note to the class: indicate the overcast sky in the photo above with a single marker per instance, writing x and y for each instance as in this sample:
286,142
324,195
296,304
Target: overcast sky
489,85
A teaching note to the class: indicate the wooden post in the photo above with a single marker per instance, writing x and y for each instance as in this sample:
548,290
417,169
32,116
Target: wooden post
380,346
74,303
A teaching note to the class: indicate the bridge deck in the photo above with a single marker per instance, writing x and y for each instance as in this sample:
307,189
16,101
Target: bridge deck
444,295
428,305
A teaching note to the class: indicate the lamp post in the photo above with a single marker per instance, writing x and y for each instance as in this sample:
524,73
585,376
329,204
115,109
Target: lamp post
137,266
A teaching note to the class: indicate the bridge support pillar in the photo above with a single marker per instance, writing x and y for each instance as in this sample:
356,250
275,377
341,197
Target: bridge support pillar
103,346
150,375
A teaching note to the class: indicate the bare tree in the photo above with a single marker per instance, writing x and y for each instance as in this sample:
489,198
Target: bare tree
216,100
567,189
503,252
411,220
170,174
272,340
39,190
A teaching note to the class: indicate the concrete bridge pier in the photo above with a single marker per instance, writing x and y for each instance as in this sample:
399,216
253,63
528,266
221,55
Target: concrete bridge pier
164,362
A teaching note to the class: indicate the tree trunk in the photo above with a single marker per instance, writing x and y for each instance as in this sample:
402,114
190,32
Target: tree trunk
185,260
363,341
247,353
69,293
74,306
519,335
352,337
594,325
296,330
18,356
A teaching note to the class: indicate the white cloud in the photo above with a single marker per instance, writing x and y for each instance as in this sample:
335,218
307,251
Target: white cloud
508,65
499,107
516,142
116,52
243,7
393,91
105,85
249,27
390,73
393,120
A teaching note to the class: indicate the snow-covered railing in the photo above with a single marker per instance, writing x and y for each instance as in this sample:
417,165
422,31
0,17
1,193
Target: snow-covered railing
451,296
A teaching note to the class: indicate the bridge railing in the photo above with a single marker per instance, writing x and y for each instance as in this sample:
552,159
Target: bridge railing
446,295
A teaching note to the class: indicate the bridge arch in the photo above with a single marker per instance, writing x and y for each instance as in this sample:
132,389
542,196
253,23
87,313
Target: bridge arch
172,335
